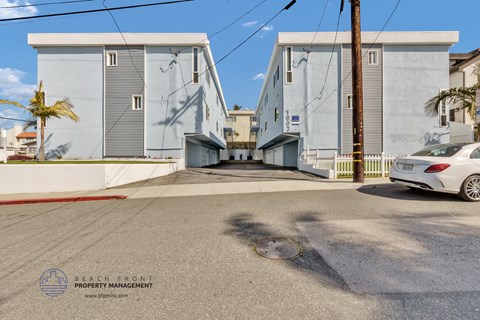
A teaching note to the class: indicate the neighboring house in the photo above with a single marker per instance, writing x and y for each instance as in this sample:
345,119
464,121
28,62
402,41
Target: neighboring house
241,136
12,141
401,71
28,143
241,139
159,96
464,72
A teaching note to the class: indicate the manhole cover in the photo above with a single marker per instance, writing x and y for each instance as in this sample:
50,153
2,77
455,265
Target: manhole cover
280,249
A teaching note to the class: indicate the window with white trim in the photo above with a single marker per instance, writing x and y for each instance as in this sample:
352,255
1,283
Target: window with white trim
111,58
288,65
137,103
207,111
266,100
443,114
195,66
266,128
349,105
275,113
373,57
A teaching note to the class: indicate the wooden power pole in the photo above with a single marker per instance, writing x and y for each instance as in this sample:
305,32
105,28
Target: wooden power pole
357,84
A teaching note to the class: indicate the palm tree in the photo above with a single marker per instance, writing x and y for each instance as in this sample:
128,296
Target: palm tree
40,112
236,107
464,96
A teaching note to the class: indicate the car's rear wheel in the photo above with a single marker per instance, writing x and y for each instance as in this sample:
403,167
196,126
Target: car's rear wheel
471,188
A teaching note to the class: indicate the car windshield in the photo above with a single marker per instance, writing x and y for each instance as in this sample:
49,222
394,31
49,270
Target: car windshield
443,150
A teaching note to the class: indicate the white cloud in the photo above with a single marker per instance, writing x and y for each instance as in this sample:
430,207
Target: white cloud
6,13
259,76
12,87
250,23
264,31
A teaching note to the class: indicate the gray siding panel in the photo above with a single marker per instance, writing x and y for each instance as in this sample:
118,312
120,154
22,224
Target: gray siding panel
124,127
372,101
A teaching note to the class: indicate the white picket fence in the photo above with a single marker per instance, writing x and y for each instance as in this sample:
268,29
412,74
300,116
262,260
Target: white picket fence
374,164
342,164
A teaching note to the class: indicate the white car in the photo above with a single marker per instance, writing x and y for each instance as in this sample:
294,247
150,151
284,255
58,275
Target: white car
452,168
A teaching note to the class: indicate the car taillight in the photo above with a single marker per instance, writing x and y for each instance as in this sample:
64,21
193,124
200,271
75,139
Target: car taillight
437,168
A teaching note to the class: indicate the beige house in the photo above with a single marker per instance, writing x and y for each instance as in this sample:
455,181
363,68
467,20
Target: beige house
463,73
28,143
241,136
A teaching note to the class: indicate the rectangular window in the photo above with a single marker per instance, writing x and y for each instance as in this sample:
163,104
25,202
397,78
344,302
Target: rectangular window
266,100
349,105
207,111
452,115
195,65
276,76
137,102
276,114
443,113
288,66
217,126
373,57
266,127
111,58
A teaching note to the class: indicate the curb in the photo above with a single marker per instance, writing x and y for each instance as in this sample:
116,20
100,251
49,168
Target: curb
63,199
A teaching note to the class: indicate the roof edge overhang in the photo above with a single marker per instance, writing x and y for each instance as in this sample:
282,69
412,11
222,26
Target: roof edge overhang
102,39
391,37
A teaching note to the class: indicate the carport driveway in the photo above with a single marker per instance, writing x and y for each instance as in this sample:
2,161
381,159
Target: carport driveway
228,173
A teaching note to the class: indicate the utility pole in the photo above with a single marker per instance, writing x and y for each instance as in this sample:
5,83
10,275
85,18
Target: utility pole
357,90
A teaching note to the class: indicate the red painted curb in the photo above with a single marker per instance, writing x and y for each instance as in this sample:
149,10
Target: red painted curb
64,199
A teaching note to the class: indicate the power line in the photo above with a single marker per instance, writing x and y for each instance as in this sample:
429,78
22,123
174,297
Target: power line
44,4
329,63
348,75
124,40
319,23
224,28
13,119
288,6
94,11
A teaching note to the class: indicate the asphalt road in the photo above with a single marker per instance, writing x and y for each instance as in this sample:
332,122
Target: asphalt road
197,254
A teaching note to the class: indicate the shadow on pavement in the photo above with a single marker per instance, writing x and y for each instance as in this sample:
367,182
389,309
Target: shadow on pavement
244,227
393,191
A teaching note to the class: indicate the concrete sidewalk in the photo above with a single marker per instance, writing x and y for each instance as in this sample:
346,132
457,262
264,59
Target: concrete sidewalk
186,190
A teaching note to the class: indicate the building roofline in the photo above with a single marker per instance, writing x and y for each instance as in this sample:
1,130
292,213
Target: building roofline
470,58
393,37
101,39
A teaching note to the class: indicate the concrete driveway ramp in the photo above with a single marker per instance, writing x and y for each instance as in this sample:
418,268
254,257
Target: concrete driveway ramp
409,255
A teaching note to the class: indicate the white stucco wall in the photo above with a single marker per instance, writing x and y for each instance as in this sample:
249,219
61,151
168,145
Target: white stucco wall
43,178
76,73
412,75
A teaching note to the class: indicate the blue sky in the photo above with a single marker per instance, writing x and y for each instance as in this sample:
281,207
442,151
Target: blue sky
241,74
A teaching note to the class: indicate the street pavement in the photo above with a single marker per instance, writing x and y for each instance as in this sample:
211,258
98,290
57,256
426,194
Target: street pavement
197,252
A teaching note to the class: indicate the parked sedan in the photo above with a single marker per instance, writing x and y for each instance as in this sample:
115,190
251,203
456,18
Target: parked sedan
452,168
